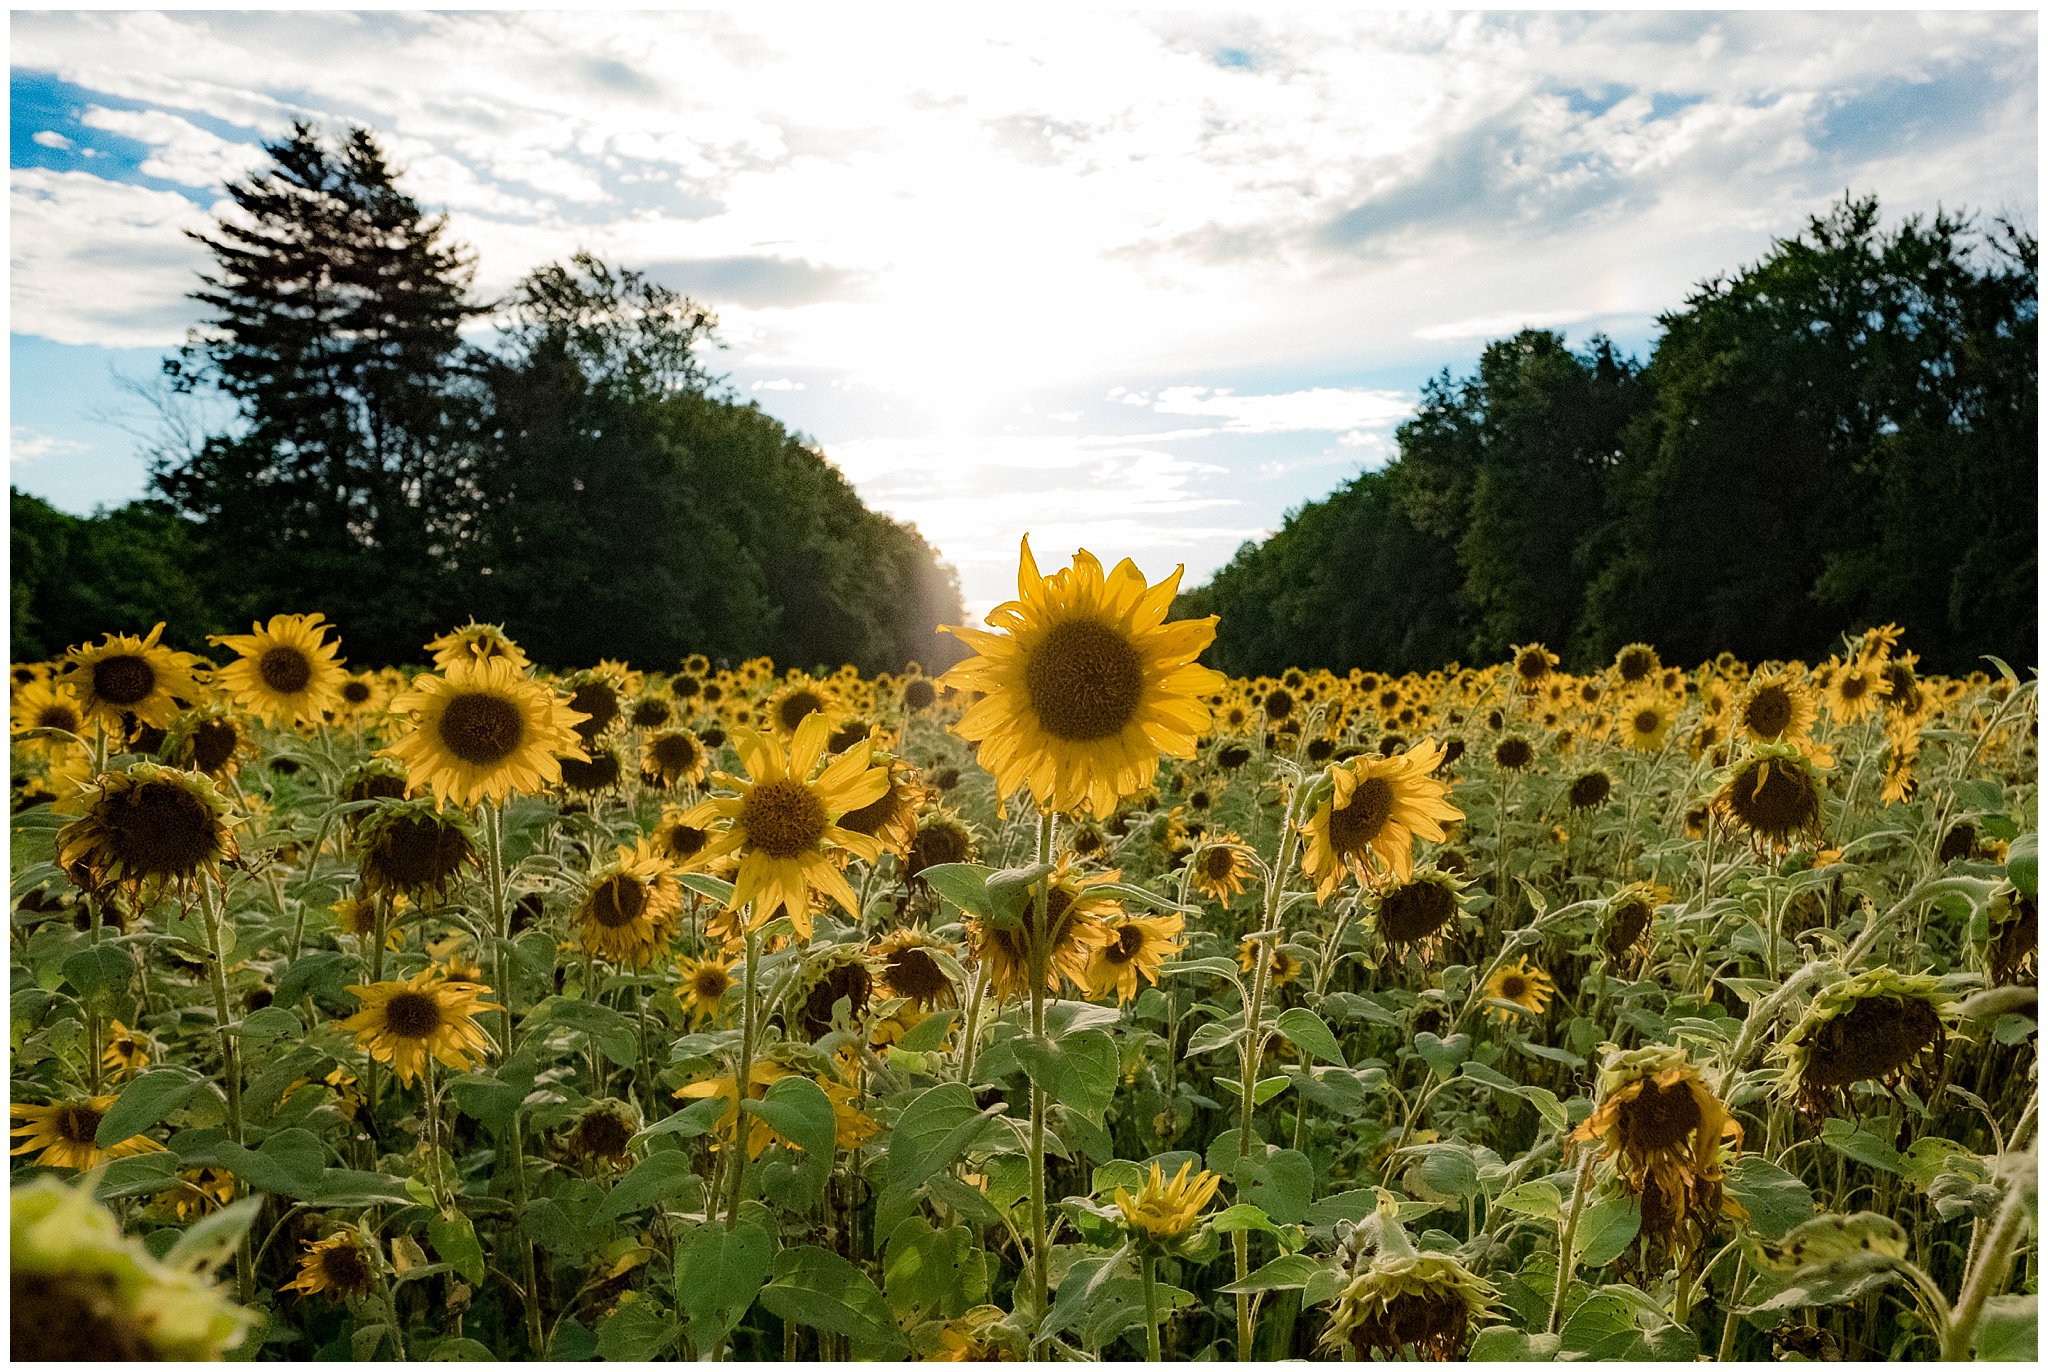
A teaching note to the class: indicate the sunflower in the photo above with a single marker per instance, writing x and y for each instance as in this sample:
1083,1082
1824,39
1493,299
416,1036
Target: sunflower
1223,868
130,675
342,1266
85,1292
650,711
287,673
413,849
1285,966
1589,791
595,695
942,838
198,1191
782,823
211,740
360,696
1777,708
1666,1133
483,731
674,755
908,969
2012,947
1403,1301
1626,920
1533,664
1520,984
892,817
1877,1026
630,907
64,1135
127,1052
1087,686
1376,809
682,843
1852,692
798,701
849,1124
402,1022
1168,1209
1418,913
1137,943
148,827
603,1134
1645,720
830,974
474,643
1900,782
1774,795
600,771
1636,664
705,981
1074,928
47,705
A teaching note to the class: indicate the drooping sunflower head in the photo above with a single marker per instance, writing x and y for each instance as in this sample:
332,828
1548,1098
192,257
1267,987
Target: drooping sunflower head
942,837
1087,685
674,755
344,1265
1880,1026
1514,754
212,740
475,642
1777,708
1377,807
650,711
831,974
602,1134
1589,790
1519,983
124,674
1417,913
288,673
483,731
403,1022
1166,1210
1774,796
2013,949
1223,868
147,828
630,907
412,848
1074,928
1408,1304
907,968
1136,944
892,817
1667,1134
1636,664
599,698
703,983
1625,923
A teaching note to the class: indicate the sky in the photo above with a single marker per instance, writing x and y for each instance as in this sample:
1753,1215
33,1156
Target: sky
1135,282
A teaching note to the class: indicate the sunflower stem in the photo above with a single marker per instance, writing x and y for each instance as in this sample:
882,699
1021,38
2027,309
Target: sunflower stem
969,1033
501,924
1145,1266
217,975
1565,1240
742,1077
1988,1275
1040,901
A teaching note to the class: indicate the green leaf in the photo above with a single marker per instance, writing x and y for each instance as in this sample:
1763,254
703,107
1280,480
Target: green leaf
2023,863
1281,1184
932,1273
455,1242
290,1163
343,1188
704,884
615,1036
461,1350
140,1175
211,1241
1307,1032
144,1103
1775,1199
486,1099
653,1180
1865,1145
1828,1240
700,1117
1444,1055
1449,1169
93,970
1245,1218
816,1287
1288,1272
1504,1343
1600,1317
1538,1198
2009,1331
798,1109
272,1021
636,1332
1078,1070
718,1274
933,1130
1923,1161
1217,1033
1546,1102
1606,1229
930,1033
963,885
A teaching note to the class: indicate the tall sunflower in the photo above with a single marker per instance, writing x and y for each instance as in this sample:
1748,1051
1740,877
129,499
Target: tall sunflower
1777,708
630,907
782,824
1666,1132
483,731
402,1022
147,828
137,676
64,1135
1087,686
1074,928
674,755
1645,721
1137,943
475,642
1377,808
287,672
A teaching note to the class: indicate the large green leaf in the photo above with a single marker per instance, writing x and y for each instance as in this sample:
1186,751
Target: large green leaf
1307,1032
719,1272
816,1287
637,1331
1281,1184
1077,1070
1775,1199
1606,1229
145,1102
454,1239
615,1035
653,1180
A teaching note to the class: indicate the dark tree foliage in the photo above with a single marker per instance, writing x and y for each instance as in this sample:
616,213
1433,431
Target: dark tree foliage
120,571
1843,434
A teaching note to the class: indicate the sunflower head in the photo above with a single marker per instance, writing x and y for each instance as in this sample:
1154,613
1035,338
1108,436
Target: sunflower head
1163,1210
2013,950
405,1022
1777,708
1223,868
287,671
483,731
211,740
942,837
66,1134
147,828
1533,663
1645,721
674,755
1074,928
1520,983
1375,810
802,697
128,675
1514,754
1625,923
602,1134
343,1265
1589,791
1774,796
412,848
680,843
475,642
907,968
703,983
831,974
1408,1304
630,906
1086,685
1136,944
1636,664
1667,1134
601,770
1417,913
1880,1026
650,711
43,704
892,817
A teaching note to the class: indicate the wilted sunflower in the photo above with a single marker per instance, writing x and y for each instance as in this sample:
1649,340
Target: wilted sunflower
1774,796
836,972
1876,1026
1407,1303
1417,913
630,907
127,1052
595,695
47,705
2013,949
601,770
402,1022
1223,868
892,817
1376,809
130,675
287,673
85,1292
1165,1209
412,848
1514,754
1137,943
475,642
1087,686
908,969
148,827
1589,791
1625,923
1522,984
1666,1133
63,1135
705,981
1285,965
782,824
674,755
342,1266
1636,664
483,731
603,1134
1644,722
1074,929
211,740
942,838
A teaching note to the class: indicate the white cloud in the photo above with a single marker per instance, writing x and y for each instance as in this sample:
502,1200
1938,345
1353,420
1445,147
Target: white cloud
180,150
1323,408
1501,324
96,261
780,383
49,138
25,445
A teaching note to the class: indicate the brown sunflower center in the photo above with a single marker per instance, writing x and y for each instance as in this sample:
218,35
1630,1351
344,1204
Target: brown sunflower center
686,841
74,1317
675,754
1626,926
649,713
411,1015
160,829
1415,910
1661,1117
356,692
603,1134
1130,941
1590,791
599,773
796,707
617,901
77,1123
1513,986
1635,664
1876,1037
600,702
1646,721
286,671
919,695
710,983
1774,797
1279,705
939,843
1084,680
57,716
482,729
1533,665
213,743
1353,827
1769,712
782,818
1513,754
1218,864
1431,1320
414,852
915,974
345,1268
124,679
1854,686
849,982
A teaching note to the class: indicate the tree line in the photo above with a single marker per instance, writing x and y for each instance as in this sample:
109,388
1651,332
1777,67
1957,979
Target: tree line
583,479
1842,434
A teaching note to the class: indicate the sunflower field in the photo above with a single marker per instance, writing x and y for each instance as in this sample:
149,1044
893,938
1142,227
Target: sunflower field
1077,1003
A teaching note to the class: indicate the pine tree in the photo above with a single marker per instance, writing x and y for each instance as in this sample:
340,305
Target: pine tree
344,486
